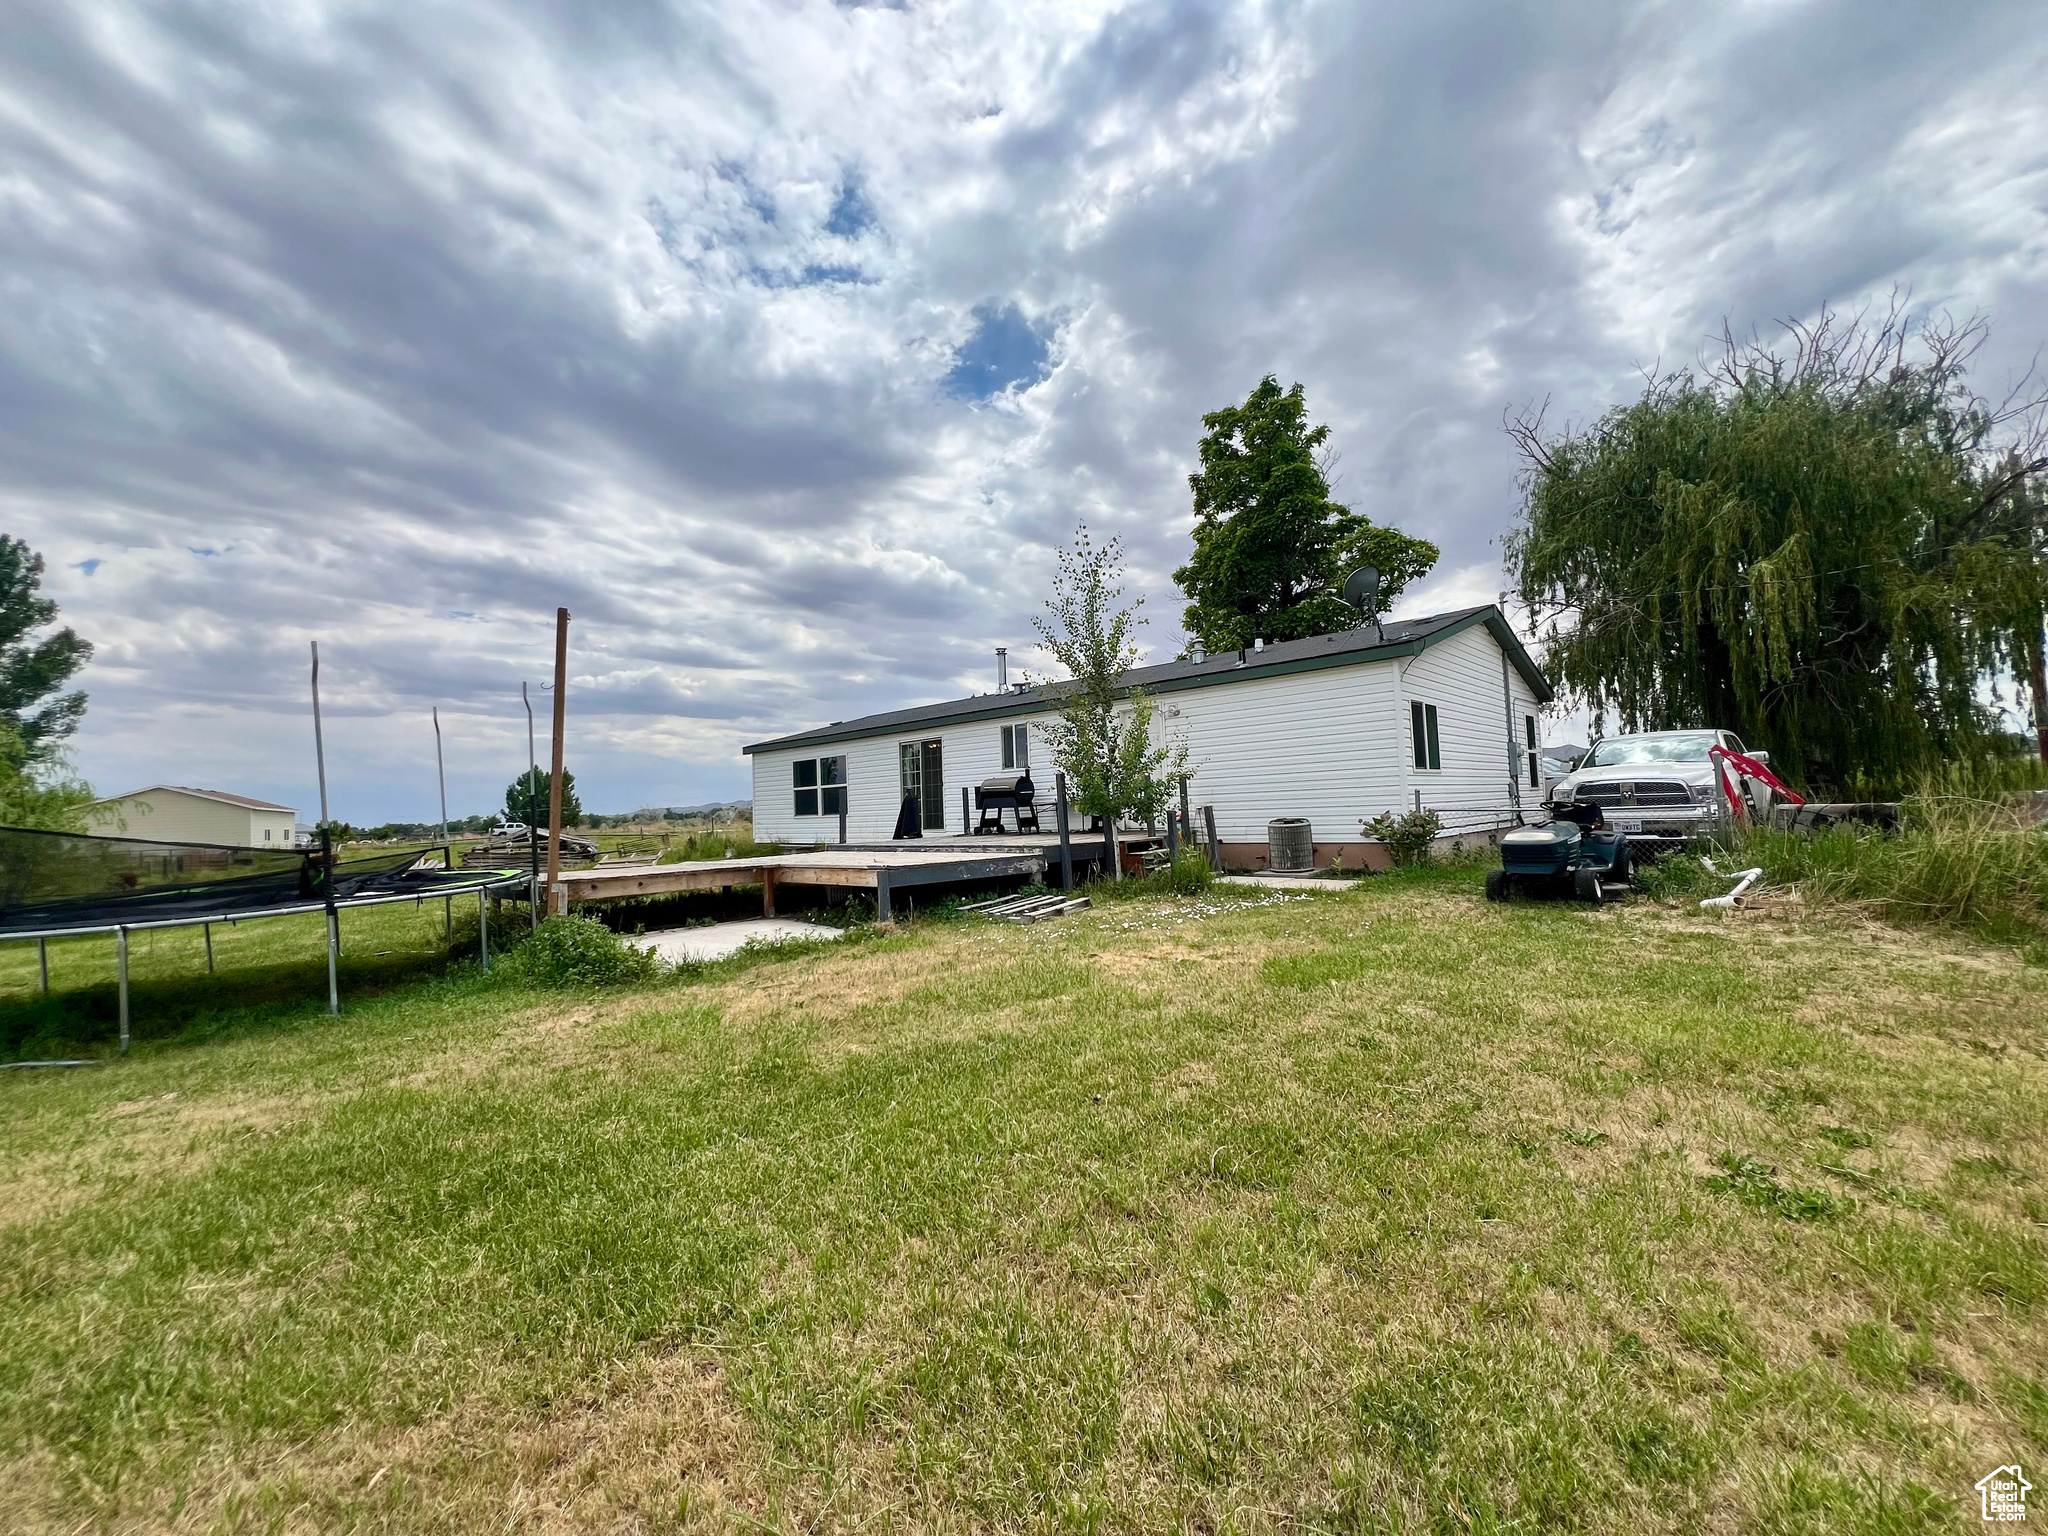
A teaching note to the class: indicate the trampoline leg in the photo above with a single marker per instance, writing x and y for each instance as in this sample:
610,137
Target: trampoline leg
121,968
448,918
333,961
483,931
209,947
43,958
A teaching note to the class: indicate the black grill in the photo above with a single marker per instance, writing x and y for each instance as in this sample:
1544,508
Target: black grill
1011,792
1641,792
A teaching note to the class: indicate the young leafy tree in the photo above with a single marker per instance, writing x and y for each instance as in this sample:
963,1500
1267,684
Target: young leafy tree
32,670
39,793
526,799
1271,547
1103,737
1831,551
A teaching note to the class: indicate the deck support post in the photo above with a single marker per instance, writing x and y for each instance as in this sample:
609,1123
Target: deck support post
881,896
967,826
121,968
767,893
842,818
1066,839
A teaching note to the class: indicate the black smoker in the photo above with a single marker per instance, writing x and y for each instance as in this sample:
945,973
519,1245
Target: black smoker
1009,792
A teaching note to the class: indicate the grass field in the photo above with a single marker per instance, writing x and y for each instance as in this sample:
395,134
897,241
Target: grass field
1383,1211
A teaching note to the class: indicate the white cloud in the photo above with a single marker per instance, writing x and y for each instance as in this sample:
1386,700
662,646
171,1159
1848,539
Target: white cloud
429,318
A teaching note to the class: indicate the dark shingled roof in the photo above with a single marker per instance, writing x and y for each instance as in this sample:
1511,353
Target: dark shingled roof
1401,637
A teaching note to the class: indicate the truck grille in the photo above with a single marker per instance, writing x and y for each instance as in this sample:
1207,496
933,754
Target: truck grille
1628,792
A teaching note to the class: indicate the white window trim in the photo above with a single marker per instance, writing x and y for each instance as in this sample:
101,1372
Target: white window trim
1422,712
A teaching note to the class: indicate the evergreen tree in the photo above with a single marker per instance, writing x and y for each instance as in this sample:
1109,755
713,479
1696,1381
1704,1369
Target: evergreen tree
1271,546
526,799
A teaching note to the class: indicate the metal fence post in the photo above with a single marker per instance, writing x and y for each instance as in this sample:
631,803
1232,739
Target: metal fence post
333,959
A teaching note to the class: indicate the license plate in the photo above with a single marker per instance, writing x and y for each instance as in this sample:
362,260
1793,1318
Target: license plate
1628,823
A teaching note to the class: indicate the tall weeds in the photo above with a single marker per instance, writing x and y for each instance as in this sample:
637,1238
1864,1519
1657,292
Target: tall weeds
1977,861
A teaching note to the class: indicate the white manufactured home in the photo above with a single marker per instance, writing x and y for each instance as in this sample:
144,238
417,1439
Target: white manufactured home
1438,712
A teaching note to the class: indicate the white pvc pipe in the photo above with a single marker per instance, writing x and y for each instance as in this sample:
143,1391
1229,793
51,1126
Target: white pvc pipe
1743,882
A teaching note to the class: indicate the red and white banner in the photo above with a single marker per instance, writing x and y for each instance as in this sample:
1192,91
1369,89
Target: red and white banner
1734,767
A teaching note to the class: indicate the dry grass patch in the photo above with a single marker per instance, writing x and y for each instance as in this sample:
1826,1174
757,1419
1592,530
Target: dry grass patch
1394,1210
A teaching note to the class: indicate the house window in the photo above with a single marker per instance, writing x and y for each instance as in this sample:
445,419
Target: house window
820,784
1017,748
1529,734
1422,730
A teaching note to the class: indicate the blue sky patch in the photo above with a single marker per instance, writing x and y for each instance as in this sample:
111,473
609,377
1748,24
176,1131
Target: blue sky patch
1004,350
851,211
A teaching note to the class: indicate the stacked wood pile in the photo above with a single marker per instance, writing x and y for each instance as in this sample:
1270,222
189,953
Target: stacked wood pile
516,853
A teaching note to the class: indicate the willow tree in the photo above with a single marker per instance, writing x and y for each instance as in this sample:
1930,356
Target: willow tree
1271,545
1836,550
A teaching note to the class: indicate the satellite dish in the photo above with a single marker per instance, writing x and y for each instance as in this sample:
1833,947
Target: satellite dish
1362,589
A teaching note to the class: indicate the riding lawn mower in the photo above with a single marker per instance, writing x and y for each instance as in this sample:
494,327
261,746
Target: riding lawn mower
1574,854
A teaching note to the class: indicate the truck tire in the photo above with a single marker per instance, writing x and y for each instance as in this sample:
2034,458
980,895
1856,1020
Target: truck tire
1496,885
1586,886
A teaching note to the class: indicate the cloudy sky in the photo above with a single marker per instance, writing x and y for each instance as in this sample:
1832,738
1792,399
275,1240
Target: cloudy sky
782,342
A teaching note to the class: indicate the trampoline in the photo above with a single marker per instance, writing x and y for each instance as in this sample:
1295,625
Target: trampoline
66,884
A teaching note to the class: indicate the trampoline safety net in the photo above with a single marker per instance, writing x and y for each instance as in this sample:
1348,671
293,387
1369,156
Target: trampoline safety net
71,880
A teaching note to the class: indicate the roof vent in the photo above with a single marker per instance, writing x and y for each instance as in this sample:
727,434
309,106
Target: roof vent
1002,669
1196,653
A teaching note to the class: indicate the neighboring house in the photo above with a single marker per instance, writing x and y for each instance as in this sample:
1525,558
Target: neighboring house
1337,728
173,813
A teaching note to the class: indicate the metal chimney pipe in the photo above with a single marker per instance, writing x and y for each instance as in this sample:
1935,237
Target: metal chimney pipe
1002,669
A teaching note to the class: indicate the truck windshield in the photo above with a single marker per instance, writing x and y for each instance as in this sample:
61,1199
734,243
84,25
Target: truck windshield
1689,747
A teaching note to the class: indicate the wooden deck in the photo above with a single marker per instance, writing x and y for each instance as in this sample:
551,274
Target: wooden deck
883,871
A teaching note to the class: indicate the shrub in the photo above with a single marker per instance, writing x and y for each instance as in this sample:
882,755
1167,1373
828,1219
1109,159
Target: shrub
1189,875
582,952
1410,837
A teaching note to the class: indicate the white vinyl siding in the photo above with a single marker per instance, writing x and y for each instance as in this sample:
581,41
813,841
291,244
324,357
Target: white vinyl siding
1332,745
172,816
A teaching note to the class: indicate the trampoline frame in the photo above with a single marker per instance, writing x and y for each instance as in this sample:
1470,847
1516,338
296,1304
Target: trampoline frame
484,883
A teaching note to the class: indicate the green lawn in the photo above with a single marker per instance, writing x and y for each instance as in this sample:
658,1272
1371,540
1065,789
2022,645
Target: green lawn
1388,1211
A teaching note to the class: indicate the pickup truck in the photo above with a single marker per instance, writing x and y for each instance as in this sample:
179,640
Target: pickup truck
1658,787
